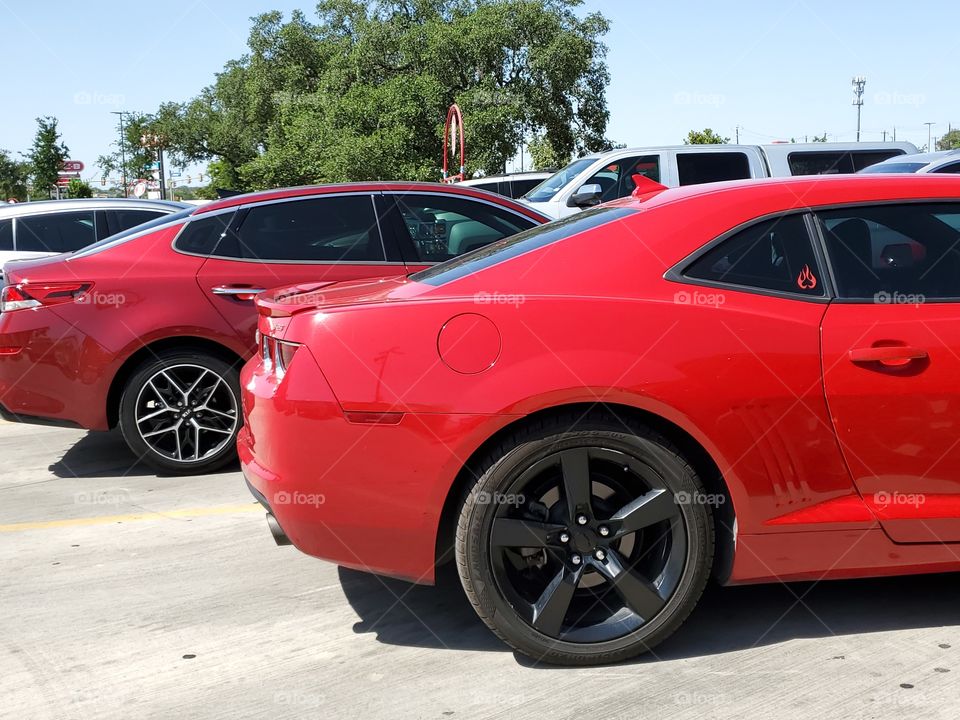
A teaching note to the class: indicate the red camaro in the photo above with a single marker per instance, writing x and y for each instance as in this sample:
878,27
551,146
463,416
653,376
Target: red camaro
757,381
147,329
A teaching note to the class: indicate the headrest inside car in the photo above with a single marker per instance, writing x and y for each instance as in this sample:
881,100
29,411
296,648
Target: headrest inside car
897,256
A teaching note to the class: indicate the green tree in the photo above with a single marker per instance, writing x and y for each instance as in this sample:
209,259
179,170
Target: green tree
704,137
13,178
362,93
544,156
46,156
949,141
132,159
819,138
79,189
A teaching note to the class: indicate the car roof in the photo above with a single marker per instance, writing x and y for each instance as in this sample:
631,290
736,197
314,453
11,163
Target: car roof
44,206
925,158
804,191
369,187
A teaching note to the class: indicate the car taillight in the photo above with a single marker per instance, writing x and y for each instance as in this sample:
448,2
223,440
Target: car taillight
30,295
277,354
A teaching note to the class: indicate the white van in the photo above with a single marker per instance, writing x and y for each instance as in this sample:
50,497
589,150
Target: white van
597,178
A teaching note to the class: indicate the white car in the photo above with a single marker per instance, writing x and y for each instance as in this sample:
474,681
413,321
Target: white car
601,177
37,229
944,161
513,185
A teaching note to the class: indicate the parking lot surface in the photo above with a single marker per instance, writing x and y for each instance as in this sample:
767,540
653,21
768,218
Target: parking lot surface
127,595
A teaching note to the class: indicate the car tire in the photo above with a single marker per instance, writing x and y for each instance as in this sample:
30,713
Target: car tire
180,412
503,582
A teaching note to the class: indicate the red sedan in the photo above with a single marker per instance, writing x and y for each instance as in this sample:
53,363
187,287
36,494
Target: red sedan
756,381
148,329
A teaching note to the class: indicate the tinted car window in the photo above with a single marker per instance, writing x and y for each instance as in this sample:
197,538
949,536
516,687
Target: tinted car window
339,228
519,188
519,244
895,253
119,237
553,184
120,220
200,236
900,167
6,234
774,254
836,162
493,187
697,168
616,179
56,232
443,227
951,168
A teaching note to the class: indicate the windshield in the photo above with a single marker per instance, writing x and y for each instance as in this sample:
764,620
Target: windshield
149,225
553,184
900,167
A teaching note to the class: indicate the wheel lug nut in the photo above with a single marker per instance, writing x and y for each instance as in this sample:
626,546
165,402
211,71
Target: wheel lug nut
581,519
564,537
604,530
600,555
575,559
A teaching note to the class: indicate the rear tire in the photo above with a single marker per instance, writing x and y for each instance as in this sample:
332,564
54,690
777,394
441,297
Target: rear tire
619,540
180,412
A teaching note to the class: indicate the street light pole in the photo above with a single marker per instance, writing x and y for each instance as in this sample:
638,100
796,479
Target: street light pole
929,125
858,83
123,154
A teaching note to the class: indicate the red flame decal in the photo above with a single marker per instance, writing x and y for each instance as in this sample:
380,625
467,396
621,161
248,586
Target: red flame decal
806,280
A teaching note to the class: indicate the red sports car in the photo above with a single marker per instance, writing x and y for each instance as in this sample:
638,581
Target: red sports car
147,329
757,381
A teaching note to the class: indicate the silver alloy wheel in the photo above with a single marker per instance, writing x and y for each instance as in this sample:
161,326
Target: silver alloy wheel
186,413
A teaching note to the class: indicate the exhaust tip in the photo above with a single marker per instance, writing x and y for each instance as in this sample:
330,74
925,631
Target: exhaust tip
279,536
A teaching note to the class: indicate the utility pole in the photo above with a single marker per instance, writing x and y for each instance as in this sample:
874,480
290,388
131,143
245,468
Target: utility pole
929,137
884,135
123,154
737,131
858,82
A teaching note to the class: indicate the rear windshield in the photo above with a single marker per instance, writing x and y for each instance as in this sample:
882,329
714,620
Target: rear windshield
556,182
150,225
889,167
515,245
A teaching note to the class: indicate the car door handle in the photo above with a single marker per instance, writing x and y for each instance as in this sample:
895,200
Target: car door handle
888,354
238,293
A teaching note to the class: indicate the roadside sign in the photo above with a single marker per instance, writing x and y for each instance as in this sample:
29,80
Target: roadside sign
72,166
69,175
139,189
64,181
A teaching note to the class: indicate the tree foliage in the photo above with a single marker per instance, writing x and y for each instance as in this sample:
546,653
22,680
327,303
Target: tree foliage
704,137
362,92
13,178
132,158
77,188
544,156
949,141
46,156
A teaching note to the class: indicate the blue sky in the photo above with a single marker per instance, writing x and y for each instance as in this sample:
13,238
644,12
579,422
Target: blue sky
776,70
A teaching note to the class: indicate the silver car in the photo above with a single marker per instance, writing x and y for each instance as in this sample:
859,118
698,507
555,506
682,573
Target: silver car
48,227
945,161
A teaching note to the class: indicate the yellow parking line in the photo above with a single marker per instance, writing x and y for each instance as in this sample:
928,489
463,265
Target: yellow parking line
107,519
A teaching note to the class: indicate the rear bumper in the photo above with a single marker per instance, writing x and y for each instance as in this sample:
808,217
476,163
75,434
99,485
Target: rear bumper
365,496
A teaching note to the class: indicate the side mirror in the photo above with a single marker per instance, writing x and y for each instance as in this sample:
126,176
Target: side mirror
586,196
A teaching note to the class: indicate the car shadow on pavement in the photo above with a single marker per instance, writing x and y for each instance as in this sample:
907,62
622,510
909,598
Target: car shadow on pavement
105,455
727,619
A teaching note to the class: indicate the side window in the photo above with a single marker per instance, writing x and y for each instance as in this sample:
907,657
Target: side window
836,162
774,254
519,188
443,227
696,168
888,252
952,168
56,232
493,187
6,235
336,228
865,158
120,220
200,236
616,179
